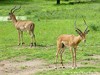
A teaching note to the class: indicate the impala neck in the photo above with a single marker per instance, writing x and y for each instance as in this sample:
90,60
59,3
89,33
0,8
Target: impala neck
78,39
14,19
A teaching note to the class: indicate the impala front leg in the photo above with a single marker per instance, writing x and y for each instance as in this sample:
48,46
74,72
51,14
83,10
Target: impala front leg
18,37
75,58
34,39
72,57
22,37
32,36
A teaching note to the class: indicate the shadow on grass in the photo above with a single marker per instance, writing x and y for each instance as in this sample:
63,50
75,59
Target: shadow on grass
40,45
87,67
45,46
26,46
74,2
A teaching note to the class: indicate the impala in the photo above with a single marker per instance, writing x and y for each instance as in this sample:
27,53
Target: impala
22,25
71,42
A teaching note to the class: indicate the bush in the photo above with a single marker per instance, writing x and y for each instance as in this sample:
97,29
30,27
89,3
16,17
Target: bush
94,27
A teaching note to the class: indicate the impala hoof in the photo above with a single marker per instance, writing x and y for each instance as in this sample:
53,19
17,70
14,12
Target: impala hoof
62,67
19,44
23,43
56,68
74,67
31,44
35,44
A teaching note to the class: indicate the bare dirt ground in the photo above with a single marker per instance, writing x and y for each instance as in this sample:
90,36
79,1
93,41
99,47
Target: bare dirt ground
19,66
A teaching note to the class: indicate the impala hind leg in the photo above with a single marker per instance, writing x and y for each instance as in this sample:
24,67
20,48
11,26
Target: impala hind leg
75,66
32,38
61,53
57,57
19,35
72,57
22,37
31,35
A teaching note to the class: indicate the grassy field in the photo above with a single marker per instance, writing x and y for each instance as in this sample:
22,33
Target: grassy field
52,20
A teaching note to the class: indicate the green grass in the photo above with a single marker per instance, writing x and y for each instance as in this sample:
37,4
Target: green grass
51,20
79,71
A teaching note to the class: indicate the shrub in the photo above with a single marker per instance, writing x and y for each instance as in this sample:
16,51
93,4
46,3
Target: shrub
94,27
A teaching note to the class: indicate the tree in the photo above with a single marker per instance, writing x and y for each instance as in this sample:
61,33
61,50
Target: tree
58,1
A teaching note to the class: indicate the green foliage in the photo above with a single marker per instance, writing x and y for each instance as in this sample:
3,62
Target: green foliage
94,27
